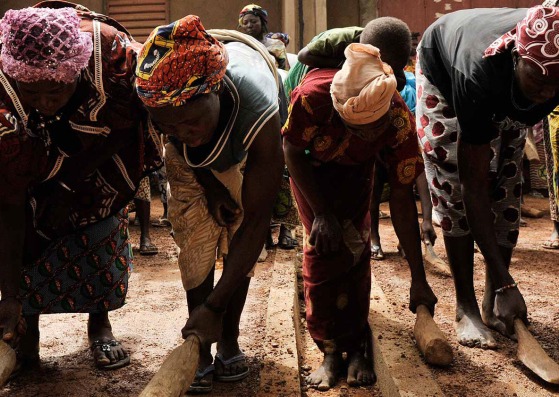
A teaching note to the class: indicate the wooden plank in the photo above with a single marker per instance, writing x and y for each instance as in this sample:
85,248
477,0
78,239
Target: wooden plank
279,375
399,368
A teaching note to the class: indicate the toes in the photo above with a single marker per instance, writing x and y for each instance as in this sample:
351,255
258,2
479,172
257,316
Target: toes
100,357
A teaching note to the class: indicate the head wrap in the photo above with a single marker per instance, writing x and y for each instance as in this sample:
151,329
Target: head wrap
536,38
258,11
362,90
179,61
43,44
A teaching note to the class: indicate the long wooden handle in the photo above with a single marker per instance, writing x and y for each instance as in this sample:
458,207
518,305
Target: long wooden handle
430,339
533,356
7,361
177,371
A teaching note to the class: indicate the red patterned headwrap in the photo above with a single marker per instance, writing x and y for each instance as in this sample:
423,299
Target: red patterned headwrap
536,38
179,61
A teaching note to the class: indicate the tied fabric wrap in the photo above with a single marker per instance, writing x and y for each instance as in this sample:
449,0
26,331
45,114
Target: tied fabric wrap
536,38
178,62
255,10
43,44
362,90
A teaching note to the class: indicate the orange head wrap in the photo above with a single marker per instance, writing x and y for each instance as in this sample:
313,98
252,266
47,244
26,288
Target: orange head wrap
362,90
179,61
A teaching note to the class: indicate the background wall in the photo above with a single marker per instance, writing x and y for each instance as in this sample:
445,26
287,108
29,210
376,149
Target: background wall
303,19
225,14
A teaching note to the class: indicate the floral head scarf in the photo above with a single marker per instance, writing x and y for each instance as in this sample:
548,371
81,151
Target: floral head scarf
179,61
536,38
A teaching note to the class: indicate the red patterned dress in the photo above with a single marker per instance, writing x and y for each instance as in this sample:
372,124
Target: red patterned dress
337,285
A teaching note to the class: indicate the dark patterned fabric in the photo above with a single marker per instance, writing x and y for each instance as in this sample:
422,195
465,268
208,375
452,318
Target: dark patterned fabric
84,272
104,113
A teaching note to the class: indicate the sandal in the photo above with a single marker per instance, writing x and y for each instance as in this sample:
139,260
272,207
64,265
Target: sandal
105,346
286,240
148,249
201,385
551,244
221,364
376,252
161,222
383,215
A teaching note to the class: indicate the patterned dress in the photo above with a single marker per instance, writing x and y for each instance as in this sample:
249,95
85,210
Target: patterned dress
82,265
337,285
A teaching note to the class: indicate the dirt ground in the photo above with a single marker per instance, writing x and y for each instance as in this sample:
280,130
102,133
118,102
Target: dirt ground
477,372
149,326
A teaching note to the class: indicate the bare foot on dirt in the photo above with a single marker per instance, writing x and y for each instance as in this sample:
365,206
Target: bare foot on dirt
472,332
489,319
360,370
108,353
326,375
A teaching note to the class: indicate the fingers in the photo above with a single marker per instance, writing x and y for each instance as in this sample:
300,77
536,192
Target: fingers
9,329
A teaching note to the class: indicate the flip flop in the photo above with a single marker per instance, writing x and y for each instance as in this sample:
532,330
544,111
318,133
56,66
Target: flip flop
105,346
383,215
551,244
286,240
221,363
201,386
148,249
162,222
377,253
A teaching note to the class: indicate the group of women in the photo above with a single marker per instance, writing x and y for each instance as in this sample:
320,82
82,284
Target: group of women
82,106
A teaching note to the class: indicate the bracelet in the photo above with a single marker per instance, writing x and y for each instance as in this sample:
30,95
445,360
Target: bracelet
502,289
65,186
214,309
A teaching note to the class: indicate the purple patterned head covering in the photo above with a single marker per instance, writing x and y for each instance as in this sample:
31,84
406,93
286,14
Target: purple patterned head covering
43,44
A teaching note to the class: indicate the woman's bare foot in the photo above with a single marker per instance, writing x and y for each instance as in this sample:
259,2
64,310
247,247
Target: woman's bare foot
360,370
471,332
108,353
489,318
327,374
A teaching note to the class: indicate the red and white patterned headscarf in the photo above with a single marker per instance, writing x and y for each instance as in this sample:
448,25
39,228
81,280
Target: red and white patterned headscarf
536,38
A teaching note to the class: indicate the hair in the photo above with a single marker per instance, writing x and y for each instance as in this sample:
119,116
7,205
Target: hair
392,37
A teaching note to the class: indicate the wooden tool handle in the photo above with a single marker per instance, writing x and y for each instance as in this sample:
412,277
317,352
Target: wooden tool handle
7,361
430,340
177,371
533,356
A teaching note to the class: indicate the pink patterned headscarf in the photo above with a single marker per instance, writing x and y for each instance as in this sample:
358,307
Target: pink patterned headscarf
43,44
536,38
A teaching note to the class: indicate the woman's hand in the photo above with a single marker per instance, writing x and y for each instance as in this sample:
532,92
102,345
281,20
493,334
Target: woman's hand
326,234
222,207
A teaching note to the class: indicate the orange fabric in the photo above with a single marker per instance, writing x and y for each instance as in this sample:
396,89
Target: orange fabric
362,90
179,61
